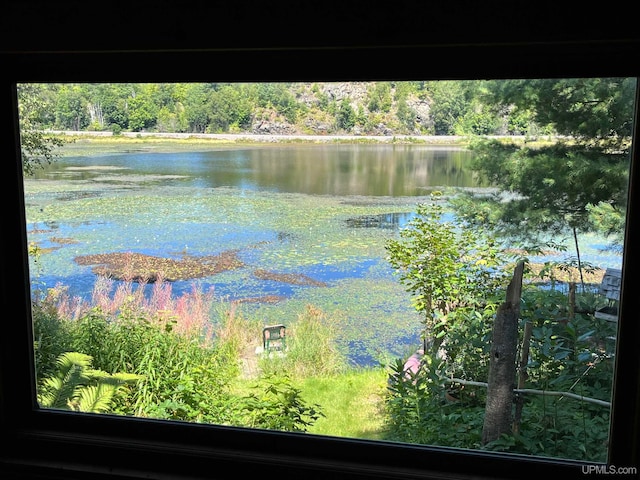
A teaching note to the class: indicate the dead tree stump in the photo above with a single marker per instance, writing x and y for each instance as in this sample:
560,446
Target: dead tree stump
498,417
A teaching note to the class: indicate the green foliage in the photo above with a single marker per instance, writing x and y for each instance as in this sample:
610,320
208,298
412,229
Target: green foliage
554,186
610,220
278,96
76,386
477,120
278,406
566,186
183,379
311,348
38,148
594,111
547,191
570,351
567,353
421,410
193,392
346,118
51,338
380,97
181,373
406,115
142,113
71,108
572,354
448,105
449,270
230,107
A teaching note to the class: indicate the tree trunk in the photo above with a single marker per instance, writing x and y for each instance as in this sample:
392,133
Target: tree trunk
498,417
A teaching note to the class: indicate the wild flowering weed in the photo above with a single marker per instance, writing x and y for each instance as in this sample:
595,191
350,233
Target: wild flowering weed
187,314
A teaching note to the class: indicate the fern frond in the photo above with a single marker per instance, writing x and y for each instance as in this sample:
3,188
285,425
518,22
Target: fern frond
69,359
60,389
48,395
96,398
77,386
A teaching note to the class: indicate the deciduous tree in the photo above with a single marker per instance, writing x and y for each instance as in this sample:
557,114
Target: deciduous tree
37,147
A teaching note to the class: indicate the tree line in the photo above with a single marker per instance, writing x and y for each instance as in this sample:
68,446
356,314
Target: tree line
411,107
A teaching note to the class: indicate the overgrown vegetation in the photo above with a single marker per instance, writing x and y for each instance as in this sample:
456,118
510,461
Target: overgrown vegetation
184,362
565,357
564,365
184,352
160,356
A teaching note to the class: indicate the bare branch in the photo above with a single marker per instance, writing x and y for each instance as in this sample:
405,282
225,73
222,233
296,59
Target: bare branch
530,391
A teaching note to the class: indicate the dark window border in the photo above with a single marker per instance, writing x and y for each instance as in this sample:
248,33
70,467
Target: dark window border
61,445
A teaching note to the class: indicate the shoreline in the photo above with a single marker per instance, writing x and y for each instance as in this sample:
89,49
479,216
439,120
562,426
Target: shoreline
444,140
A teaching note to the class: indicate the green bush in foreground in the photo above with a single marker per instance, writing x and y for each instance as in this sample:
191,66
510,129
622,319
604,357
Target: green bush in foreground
185,373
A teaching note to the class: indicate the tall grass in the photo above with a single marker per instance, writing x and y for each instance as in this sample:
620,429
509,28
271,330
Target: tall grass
185,349
311,348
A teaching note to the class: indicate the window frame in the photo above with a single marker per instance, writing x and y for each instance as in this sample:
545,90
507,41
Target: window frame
68,444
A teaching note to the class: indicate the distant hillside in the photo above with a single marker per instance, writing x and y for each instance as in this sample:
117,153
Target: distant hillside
354,108
357,108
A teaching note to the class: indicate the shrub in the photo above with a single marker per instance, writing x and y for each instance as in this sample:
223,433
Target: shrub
278,406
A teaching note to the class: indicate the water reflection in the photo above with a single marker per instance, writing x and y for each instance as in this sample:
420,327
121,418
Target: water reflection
368,170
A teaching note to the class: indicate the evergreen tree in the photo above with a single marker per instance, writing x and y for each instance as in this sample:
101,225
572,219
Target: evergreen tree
554,189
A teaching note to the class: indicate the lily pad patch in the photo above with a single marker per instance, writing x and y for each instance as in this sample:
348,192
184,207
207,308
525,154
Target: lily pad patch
138,267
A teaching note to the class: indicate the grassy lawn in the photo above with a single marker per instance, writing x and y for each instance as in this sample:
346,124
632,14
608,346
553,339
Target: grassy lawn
352,403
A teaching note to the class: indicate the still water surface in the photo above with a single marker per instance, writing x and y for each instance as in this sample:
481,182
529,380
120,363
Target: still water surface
322,211
370,170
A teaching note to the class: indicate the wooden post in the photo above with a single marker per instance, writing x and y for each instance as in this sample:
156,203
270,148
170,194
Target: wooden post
498,417
522,373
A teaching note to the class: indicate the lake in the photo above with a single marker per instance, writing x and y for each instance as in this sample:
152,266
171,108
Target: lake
369,170
321,212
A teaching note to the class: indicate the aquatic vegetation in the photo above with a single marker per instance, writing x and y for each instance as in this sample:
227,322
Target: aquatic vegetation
292,278
270,252
138,267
